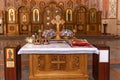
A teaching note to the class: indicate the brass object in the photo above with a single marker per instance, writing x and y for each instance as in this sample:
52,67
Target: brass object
46,42
58,21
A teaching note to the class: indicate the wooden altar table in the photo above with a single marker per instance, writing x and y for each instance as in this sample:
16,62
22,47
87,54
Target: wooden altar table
58,61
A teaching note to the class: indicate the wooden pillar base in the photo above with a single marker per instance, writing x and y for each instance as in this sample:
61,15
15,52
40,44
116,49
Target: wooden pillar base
12,63
101,63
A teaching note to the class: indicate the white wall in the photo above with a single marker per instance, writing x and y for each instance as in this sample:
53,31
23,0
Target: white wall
112,27
118,29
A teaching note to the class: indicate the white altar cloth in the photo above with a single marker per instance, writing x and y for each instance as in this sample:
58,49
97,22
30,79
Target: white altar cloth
56,48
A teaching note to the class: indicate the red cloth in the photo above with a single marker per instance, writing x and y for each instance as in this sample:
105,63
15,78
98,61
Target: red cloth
80,43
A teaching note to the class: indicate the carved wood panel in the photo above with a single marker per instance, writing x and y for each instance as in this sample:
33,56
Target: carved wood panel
58,62
50,12
93,15
41,62
24,20
71,66
75,62
12,29
94,22
81,15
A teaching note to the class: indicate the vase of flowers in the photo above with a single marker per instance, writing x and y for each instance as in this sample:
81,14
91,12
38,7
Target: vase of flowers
48,34
66,34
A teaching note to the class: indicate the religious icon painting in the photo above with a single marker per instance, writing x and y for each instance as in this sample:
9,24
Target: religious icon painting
1,23
1,29
10,57
36,15
92,15
11,15
69,15
24,18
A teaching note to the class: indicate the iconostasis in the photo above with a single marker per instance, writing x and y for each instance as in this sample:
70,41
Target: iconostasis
27,20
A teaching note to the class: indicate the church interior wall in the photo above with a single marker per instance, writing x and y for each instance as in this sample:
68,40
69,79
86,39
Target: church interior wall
113,28
118,29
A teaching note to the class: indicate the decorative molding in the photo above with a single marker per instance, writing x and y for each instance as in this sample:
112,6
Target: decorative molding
100,4
112,9
41,62
75,62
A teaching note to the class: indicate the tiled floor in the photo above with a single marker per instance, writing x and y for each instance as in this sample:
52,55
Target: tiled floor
114,72
114,56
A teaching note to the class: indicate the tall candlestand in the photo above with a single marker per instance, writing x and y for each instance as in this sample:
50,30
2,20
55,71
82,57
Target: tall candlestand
105,28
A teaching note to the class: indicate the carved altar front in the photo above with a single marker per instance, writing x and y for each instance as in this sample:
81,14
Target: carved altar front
58,67
57,61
